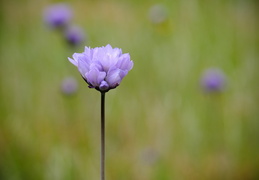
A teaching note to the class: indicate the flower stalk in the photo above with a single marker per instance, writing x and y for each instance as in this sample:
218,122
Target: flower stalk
103,69
102,135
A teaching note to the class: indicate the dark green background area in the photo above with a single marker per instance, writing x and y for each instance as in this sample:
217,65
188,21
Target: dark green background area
160,125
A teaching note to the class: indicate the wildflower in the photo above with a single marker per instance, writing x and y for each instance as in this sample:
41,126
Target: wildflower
158,14
74,35
149,156
102,68
58,15
69,86
213,80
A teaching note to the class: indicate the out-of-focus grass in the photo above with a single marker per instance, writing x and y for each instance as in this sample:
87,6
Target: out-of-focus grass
160,125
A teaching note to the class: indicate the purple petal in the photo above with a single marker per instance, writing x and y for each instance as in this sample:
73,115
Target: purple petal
114,77
124,62
83,63
79,57
108,47
104,86
95,77
88,53
73,61
123,73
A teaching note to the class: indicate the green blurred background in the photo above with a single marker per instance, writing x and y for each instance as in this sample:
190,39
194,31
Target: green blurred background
160,125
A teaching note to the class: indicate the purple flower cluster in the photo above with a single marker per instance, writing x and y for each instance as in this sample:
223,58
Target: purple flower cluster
102,68
69,86
213,80
74,35
59,16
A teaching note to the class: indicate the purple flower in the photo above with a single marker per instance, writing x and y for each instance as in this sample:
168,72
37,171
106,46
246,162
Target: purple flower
58,15
69,86
74,35
158,14
213,80
102,68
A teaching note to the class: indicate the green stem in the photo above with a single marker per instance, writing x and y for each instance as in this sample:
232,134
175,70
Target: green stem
102,135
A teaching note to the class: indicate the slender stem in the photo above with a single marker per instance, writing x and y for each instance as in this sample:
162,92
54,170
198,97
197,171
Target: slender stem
102,135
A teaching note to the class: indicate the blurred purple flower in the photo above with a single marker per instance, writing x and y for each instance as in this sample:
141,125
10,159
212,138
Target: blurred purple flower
158,14
102,68
213,80
69,86
149,156
58,15
74,35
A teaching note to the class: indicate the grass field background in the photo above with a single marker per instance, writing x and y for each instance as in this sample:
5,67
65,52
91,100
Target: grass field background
160,125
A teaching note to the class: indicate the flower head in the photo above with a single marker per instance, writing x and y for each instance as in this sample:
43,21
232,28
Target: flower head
213,80
69,86
158,14
58,15
74,35
102,68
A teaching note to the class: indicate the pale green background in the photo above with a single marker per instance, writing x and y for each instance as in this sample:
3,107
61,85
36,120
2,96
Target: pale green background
160,124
